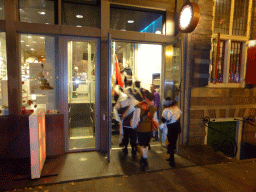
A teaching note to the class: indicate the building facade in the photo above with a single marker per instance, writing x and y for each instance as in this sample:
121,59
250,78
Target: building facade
200,67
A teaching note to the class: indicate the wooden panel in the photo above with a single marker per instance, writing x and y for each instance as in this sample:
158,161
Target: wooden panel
54,125
24,27
80,31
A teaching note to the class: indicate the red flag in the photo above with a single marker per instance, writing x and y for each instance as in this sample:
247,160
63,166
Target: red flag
118,73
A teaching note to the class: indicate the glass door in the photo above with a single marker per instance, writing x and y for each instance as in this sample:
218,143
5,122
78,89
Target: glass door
172,78
80,87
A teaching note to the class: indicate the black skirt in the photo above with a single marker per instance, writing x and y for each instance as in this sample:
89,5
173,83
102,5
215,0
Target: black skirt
174,130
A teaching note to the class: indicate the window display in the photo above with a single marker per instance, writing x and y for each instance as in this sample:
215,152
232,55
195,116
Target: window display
38,73
3,77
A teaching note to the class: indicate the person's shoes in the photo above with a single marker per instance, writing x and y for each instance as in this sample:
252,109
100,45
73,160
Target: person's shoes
134,152
149,147
125,151
172,164
143,163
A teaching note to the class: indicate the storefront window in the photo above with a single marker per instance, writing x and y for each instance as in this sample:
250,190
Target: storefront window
3,77
38,73
135,19
81,13
37,11
2,17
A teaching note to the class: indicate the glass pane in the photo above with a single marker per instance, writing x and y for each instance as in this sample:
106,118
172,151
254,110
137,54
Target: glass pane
2,17
172,68
38,73
216,71
222,17
81,94
37,11
134,19
3,77
80,14
240,17
235,62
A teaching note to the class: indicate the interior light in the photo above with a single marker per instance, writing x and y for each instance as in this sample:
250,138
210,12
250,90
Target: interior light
77,81
41,37
78,26
130,21
33,96
22,41
41,12
42,56
27,45
79,16
1,8
169,53
32,49
158,32
34,41
29,37
123,30
47,23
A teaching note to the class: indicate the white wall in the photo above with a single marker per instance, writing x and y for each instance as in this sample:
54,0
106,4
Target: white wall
149,61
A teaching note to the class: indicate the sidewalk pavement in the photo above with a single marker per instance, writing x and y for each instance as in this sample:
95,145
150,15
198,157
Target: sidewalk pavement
228,176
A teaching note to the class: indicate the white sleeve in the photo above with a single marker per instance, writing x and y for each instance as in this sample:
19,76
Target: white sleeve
155,118
135,118
115,112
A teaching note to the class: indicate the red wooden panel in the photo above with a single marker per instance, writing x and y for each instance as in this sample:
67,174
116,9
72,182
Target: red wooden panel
251,63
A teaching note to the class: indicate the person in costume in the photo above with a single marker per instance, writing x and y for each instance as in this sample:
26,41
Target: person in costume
144,117
171,116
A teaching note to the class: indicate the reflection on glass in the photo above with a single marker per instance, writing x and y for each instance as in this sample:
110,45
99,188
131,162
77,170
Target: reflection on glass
81,94
3,77
2,17
81,14
38,73
133,19
37,11
172,70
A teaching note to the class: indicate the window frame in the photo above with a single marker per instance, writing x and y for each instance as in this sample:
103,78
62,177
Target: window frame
228,38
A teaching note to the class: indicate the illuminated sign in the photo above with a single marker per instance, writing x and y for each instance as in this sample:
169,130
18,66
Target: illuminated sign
189,17
37,143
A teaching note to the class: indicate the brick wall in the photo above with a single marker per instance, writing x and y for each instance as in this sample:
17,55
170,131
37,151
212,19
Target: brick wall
221,103
199,42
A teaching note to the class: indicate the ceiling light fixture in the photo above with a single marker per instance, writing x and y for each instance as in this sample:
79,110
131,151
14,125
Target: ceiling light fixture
29,37
22,41
130,21
32,49
158,32
123,30
79,16
41,12
41,37
78,26
27,45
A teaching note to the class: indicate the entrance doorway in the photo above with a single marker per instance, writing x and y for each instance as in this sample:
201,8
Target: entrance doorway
80,69
144,64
